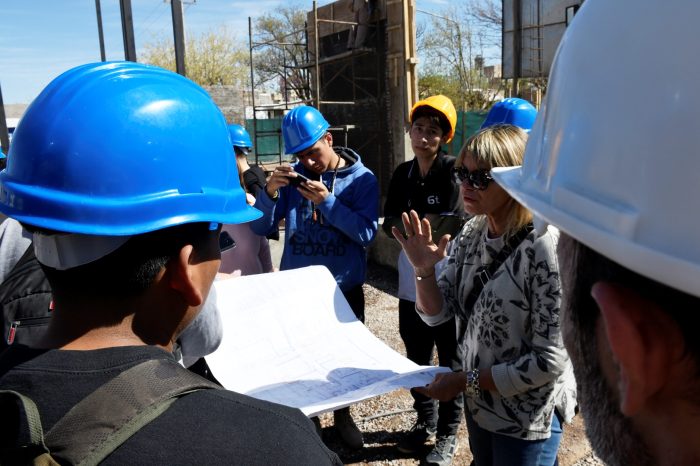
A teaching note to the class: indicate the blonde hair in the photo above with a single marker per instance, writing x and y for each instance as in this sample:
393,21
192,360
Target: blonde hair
239,166
499,146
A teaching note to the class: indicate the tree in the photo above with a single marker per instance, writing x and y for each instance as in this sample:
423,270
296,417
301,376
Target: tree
212,58
450,47
281,51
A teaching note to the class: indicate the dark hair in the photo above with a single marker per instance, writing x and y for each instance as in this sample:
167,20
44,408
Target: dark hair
434,116
581,267
131,269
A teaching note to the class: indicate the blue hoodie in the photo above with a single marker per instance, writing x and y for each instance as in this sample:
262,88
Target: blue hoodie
339,237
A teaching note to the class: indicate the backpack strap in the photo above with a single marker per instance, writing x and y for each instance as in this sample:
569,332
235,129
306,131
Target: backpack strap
107,417
482,277
29,433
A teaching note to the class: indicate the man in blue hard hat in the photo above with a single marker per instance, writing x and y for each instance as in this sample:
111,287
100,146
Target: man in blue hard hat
330,219
253,176
126,229
511,111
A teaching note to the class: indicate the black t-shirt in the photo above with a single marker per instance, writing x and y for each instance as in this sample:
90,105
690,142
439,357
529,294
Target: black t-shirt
206,427
254,180
436,193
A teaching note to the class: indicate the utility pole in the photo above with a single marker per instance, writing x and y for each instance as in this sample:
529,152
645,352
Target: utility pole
179,35
4,136
128,30
100,33
517,48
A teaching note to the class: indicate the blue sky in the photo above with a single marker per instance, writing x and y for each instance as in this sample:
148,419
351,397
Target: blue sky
39,39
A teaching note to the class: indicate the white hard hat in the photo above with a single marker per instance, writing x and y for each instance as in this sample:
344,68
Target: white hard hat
614,156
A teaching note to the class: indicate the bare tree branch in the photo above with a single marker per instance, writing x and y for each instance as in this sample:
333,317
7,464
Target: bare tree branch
284,51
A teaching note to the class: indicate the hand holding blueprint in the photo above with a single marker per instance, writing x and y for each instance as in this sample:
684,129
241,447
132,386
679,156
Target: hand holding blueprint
291,337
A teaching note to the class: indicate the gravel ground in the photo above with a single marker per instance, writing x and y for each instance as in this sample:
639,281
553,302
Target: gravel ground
384,419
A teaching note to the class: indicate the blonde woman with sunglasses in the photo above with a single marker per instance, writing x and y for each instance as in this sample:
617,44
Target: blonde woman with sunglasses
500,280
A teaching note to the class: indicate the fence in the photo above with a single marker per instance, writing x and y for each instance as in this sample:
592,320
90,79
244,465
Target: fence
270,147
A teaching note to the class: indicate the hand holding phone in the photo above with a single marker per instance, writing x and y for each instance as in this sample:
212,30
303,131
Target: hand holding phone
298,179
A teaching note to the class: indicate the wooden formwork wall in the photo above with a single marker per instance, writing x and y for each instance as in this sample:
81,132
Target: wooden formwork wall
380,108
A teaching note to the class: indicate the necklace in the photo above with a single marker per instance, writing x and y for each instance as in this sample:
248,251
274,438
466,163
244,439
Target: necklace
316,214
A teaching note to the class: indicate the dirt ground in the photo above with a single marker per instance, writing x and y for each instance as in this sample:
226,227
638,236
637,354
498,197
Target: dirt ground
384,419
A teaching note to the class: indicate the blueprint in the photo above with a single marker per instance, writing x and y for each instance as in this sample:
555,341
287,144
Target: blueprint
290,337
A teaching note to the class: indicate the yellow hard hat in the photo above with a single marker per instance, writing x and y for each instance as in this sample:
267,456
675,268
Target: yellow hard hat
443,105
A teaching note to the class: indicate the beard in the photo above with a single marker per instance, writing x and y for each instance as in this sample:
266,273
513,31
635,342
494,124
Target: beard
613,436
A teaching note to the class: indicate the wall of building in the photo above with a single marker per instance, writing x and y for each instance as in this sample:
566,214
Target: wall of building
374,79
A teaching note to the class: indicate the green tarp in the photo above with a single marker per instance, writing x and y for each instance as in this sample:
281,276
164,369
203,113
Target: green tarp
468,123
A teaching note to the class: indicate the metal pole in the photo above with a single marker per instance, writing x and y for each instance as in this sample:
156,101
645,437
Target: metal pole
317,85
252,89
100,32
128,30
179,35
517,49
4,136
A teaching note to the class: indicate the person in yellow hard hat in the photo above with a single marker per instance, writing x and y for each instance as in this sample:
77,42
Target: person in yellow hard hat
426,184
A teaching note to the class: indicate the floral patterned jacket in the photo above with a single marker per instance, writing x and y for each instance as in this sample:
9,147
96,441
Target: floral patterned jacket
512,330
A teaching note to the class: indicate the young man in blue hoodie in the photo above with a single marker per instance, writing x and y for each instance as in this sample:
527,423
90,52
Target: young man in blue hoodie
331,215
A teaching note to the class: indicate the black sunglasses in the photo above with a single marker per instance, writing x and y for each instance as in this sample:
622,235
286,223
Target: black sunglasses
477,179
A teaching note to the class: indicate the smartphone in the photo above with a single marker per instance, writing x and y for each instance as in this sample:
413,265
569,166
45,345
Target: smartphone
297,180
226,242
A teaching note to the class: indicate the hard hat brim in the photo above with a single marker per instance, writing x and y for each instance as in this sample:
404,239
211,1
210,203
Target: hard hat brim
120,216
672,271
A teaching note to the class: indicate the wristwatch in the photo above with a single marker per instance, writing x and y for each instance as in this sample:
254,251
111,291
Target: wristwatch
472,389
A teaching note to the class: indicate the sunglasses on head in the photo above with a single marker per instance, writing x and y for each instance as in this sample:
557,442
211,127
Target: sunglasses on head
477,179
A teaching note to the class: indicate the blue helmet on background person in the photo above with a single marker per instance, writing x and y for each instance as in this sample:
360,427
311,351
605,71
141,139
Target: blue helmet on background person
240,139
302,127
511,111
122,148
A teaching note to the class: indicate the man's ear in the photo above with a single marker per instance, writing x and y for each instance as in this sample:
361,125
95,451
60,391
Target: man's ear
329,138
646,345
182,279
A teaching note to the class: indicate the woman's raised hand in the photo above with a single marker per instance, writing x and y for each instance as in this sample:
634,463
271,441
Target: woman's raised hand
418,243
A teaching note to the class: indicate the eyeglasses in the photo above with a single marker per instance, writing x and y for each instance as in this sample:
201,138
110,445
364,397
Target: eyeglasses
477,179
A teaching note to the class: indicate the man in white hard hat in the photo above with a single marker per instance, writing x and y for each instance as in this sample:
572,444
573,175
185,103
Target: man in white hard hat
612,161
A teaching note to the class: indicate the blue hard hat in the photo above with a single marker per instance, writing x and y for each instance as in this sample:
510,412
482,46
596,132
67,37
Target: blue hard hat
511,111
302,127
239,136
2,154
122,148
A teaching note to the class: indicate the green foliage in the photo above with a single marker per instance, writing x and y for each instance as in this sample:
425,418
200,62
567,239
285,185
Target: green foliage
215,57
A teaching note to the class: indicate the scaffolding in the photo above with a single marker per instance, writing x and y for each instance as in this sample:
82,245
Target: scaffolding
258,132
337,78
534,45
